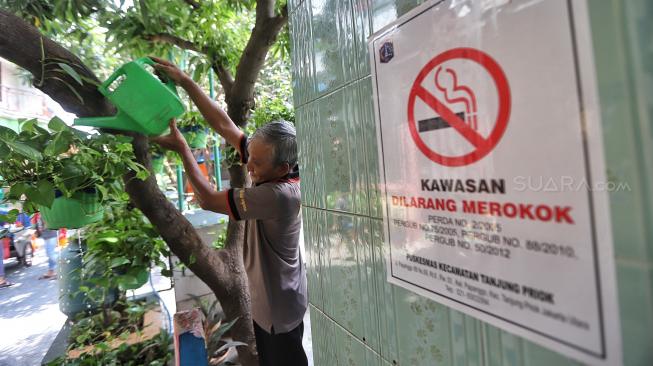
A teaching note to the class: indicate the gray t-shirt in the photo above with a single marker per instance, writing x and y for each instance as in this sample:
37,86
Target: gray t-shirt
276,273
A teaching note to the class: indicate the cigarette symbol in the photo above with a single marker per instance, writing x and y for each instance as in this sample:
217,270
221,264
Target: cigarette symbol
435,123
465,95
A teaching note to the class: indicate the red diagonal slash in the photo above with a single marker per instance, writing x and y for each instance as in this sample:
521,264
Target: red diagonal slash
483,145
451,118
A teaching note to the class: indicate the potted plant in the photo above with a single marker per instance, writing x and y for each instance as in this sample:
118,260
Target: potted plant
123,247
219,345
158,158
158,163
65,173
192,125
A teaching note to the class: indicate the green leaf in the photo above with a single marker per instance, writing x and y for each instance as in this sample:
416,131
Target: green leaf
17,190
111,239
142,175
25,150
90,81
59,144
7,134
46,192
116,262
70,71
104,192
72,174
29,125
35,196
81,100
4,150
135,278
57,124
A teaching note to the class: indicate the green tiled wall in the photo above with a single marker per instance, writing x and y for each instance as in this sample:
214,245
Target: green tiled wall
360,319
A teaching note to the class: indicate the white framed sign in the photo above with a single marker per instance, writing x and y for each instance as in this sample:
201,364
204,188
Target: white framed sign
494,186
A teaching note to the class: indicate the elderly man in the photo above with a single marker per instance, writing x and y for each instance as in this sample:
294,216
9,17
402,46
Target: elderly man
277,277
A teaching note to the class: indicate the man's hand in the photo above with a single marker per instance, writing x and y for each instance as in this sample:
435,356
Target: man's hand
169,69
174,141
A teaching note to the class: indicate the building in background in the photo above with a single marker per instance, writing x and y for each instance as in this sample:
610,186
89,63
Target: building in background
19,99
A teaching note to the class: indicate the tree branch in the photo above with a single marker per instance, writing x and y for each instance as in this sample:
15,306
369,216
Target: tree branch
264,34
226,80
225,77
28,55
174,40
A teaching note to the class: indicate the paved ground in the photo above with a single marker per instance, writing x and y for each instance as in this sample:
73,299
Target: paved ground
29,314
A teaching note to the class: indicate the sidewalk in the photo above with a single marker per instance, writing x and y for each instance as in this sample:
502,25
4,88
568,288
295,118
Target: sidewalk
29,313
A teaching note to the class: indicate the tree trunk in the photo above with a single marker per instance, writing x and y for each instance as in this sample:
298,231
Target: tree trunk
221,270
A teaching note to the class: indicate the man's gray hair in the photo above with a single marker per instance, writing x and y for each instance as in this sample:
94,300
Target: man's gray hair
282,136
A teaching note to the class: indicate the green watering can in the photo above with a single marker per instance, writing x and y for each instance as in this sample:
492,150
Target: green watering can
144,103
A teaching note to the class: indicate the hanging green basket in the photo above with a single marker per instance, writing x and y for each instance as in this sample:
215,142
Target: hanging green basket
157,164
72,213
196,137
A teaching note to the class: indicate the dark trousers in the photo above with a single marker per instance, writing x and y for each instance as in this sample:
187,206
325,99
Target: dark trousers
281,349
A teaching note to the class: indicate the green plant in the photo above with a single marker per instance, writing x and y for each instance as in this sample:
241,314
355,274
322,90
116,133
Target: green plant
193,126
271,109
221,238
191,118
122,248
217,344
37,162
101,329
118,322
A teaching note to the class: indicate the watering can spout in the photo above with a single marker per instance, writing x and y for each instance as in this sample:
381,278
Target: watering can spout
100,122
111,122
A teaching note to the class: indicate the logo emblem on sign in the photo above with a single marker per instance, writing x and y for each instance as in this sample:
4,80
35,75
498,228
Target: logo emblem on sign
443,111
386,52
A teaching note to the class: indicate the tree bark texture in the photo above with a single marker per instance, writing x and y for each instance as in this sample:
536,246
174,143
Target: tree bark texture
240,100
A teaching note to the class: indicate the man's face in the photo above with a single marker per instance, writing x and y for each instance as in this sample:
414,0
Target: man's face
260,164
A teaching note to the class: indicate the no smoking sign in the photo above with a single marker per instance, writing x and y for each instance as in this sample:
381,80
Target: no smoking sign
455,106
470,117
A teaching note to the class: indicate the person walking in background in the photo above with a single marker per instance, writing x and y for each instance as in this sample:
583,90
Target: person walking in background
3,281
3,249
50,241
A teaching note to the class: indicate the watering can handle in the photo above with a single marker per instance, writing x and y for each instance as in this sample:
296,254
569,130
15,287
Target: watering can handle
104,87
169,83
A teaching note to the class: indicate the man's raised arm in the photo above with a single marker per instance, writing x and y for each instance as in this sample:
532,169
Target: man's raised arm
214,115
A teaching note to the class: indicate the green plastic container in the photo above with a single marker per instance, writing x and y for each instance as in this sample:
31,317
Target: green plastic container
144,103
196,139
72,301
157,164
72,213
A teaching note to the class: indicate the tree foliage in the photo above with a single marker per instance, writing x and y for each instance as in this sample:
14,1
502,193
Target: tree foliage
107,33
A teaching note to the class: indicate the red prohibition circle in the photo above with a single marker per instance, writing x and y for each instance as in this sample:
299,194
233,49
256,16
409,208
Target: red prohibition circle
483,145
